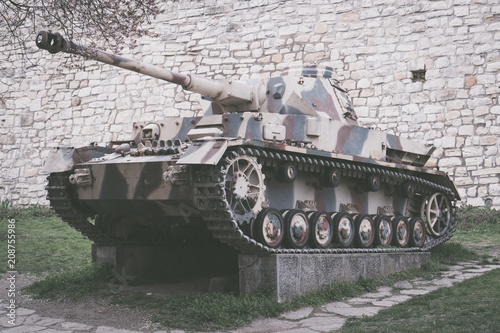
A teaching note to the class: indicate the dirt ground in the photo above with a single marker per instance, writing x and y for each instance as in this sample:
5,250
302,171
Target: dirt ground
97,311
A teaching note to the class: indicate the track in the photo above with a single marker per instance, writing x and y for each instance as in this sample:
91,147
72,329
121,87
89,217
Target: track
59,196
210,197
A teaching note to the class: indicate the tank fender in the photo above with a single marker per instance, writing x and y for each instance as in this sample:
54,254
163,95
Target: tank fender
62,159
207,152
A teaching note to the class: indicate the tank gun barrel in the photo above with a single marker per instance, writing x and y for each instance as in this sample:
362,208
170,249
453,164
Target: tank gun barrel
54,43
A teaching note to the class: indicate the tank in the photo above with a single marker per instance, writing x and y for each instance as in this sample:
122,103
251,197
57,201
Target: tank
276,165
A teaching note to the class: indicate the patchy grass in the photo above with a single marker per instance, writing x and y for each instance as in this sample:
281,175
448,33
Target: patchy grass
451,253
470,306
444,310
484,242
92,279
205,312
210,312
43,243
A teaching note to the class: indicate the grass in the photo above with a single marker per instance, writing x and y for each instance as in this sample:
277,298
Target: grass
450,253
470,218
209,312
206,311
91,279
48,245
481,241
470,306
44,244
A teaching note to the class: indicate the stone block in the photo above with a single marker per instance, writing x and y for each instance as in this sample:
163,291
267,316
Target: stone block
463,181
321,28
474,161
258,271
488,140
445,94
488,180
475,201
288,30
494,189
351,17
486,79
466,130
448,142
291,275
450,162
461,11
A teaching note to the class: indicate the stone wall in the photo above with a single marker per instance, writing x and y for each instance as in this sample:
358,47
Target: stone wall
377,47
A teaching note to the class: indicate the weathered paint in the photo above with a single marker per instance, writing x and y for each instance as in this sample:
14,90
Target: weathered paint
204,152
62,159
303,113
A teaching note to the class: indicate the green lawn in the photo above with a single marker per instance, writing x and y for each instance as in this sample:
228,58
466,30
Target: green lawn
44,243
470,306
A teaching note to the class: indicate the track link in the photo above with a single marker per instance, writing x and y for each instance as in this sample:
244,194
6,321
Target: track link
210,197
60,201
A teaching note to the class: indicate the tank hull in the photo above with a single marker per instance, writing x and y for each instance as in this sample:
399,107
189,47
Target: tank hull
158,194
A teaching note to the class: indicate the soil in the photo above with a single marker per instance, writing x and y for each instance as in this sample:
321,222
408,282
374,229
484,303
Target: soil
97,311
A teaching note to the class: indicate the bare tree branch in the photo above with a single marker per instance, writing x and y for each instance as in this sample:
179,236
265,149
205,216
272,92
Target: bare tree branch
109,23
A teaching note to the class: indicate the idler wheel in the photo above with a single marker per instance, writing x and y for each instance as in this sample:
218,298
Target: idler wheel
321,229
365,230
417,234
288,172
332,177
344,229
296,228
436,211
269,227
401,228
383,230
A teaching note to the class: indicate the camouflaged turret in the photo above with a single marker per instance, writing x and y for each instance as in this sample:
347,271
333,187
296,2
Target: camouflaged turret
277,165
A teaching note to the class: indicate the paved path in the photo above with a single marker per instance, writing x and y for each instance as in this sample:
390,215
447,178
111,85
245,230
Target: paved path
329,317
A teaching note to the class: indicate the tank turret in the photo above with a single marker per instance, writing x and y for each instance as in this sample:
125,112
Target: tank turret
272,166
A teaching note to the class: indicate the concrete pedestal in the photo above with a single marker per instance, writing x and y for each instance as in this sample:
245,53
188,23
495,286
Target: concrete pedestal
291,275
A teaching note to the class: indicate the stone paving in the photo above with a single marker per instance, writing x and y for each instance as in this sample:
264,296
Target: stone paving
327,318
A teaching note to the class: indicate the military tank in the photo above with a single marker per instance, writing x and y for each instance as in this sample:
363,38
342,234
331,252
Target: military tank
277,165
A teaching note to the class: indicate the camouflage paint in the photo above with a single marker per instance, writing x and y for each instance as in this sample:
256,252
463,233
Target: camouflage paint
302,115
